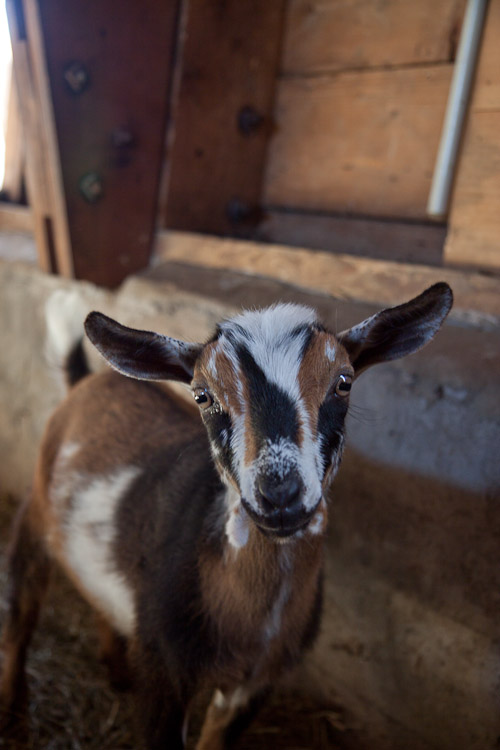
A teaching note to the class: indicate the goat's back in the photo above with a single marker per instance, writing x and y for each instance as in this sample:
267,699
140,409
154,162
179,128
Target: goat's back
115,421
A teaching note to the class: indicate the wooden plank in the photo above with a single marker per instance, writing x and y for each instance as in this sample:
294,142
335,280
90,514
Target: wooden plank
222,116
407,242
110,76
486,94
56,222
477,296
474,233
14,148
474,221
36,171
327,35
16,219
362,142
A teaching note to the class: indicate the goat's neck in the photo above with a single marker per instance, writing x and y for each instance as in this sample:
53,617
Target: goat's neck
243,584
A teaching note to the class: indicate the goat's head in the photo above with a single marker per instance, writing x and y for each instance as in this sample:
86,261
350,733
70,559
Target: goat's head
273,390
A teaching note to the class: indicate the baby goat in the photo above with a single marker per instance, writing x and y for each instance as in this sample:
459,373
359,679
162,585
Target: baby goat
203,556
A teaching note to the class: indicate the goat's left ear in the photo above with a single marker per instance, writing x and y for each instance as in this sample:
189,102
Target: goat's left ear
141,354
398,331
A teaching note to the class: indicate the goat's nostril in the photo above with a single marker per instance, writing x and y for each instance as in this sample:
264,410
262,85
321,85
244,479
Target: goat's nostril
279,493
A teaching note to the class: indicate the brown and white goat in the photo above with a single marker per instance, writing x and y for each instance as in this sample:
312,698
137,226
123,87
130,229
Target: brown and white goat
204,556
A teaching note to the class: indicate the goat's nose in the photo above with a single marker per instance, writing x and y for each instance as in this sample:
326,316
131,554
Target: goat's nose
279,493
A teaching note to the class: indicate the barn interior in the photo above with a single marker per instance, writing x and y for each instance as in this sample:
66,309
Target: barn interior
175,161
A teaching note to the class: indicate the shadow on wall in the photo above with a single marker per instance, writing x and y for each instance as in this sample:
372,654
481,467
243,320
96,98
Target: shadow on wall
410,639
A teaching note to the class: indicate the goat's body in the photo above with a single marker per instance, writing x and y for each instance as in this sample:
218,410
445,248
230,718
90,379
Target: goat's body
222,616
198,541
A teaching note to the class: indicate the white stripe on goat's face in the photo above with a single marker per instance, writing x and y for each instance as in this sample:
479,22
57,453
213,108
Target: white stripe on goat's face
273,418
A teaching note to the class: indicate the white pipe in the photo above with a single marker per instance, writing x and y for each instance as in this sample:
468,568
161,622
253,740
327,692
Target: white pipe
444,170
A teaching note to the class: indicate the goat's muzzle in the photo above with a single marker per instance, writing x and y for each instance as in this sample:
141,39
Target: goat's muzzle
282,512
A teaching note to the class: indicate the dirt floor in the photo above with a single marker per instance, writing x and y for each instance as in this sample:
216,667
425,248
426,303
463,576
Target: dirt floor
72,706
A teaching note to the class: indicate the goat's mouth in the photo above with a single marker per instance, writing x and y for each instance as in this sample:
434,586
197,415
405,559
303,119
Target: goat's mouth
281,523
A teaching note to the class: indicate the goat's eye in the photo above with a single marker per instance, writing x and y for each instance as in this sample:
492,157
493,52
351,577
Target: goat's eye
203,398
343,385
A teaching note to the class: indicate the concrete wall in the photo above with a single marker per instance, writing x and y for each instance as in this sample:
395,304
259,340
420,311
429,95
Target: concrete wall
410,643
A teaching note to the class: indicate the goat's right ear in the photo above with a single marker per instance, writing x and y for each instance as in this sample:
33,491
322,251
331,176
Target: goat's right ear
141,354
398,331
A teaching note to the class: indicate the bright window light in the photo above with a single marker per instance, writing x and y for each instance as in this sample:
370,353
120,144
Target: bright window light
5,82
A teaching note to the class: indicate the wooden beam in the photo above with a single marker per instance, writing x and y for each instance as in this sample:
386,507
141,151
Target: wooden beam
110,72
359,142
474,221
14,147
407,242
477,296
222,114
16,219
56,223
41,158
325,35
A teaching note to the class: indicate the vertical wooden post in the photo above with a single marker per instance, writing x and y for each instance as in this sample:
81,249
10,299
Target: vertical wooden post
94,84
14,148
222,114
110,69
43,175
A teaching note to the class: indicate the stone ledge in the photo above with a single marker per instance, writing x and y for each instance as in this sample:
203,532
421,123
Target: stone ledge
344,277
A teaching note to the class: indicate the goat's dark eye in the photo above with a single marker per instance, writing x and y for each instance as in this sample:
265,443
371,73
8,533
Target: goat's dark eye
343,385
203,398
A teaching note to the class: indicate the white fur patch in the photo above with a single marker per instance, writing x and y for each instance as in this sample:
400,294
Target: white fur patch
282,316
310,461
268,338
238,523
317,524
234,700
330,351
89,539
272,626
66,453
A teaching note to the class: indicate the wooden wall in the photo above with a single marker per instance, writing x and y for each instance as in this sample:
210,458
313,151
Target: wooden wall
226,69
360,104
474,222
341,161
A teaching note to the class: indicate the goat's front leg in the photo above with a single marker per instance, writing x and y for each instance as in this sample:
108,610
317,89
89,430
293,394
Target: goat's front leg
160,708
228,715
28,569
113,649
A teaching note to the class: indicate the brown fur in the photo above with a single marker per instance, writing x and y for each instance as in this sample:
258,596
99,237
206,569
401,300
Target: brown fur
240,590
225,386
317,373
